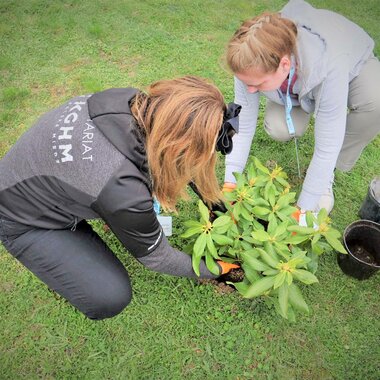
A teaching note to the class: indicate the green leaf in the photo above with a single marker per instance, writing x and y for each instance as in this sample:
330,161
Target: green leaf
192,223
335,243
192,231
257,225
297,300
260,202
260,211
334,233
267,189
204,211
282,216
281,229
282,181
272,226
196,260
242,287
253,262
221,239
230,196
270,272
297,239
260,166
272,196
316,237
312,265
200,245
251,172
249,239
317,249
221,221
282,249
211,247
304,276
270,249
260,287
283,294
271,261
310,219
236,211
245,214
322,215
253,252
260,235
246,246
285,200
288,210
211,265
302,230
280,278
250,274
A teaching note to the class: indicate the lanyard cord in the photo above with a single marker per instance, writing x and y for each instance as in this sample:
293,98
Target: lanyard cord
288,109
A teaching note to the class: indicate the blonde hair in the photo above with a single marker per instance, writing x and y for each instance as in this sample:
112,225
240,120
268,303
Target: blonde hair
261,42
181,119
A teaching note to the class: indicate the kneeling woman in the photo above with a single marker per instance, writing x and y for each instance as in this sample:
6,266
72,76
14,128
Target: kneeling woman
105,156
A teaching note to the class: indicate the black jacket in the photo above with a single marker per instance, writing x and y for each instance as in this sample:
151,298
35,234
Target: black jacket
85,159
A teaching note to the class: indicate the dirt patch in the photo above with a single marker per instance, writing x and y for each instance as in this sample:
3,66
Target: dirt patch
220,284
74,65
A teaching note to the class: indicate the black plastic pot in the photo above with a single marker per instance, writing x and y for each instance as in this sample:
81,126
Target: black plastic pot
370,209
362,242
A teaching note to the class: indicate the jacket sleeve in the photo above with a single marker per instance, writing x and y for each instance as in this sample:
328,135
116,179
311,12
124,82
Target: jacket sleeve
237,159
126,205
329,131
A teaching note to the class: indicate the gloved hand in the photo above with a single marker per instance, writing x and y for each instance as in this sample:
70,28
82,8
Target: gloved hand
227,267
296,214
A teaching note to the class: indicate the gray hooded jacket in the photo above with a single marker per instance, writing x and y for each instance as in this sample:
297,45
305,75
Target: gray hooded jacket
331,52
84,160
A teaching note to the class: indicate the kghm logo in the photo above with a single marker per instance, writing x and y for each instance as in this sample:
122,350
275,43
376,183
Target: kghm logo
62,145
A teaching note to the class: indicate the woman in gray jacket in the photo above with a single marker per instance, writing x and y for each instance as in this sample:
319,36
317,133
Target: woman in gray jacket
108,156
306,61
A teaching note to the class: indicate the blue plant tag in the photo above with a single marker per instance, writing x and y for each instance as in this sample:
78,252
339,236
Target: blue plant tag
156,206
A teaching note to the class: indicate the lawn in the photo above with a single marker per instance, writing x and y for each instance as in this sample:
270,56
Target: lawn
175,328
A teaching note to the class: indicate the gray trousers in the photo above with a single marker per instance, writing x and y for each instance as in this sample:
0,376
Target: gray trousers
363,118
78,265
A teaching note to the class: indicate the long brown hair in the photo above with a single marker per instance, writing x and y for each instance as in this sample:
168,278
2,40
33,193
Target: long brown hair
261,42
181,119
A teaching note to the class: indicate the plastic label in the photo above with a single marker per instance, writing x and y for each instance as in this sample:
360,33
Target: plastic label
166,224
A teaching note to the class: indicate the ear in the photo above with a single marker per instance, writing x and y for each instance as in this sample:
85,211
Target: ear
285,64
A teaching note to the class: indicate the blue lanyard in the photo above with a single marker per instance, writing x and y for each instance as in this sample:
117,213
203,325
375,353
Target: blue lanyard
288,117
289,106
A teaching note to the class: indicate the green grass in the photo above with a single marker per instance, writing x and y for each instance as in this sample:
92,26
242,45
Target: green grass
174,328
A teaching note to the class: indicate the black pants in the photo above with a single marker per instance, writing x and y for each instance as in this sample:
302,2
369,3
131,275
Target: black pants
78,265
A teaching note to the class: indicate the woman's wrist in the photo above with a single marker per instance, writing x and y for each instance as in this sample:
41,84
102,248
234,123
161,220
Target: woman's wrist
228,186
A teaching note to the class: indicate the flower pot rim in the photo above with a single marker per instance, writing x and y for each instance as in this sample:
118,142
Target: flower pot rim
357,223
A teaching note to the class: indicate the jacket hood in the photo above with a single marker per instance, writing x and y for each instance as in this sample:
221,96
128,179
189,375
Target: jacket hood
111,113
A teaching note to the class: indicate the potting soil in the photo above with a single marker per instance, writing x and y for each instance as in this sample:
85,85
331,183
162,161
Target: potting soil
357,250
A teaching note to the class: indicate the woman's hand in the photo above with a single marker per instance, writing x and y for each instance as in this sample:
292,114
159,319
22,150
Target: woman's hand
228,187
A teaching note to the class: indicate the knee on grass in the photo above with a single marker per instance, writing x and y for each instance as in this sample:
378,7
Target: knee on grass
108,301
